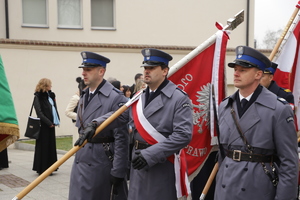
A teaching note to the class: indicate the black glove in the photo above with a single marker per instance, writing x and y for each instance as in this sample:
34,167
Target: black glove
139,161
115,181
88,133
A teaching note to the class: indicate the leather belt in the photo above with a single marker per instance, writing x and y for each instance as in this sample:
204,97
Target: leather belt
238,155
102,140
141,145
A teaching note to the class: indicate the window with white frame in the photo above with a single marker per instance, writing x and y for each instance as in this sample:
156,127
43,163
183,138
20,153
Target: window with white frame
102,12
69,13
34,13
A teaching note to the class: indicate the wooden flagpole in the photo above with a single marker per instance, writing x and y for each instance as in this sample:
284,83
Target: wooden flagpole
59,162
290,22
209,181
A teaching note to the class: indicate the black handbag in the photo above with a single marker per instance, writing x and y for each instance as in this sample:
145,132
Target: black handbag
33,126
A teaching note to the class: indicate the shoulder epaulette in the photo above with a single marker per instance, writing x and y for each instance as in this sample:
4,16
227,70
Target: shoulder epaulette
225,98
181,91
282,100
115,89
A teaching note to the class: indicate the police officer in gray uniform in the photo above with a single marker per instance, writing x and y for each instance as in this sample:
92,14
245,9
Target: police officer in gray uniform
168,111
256,130
101,165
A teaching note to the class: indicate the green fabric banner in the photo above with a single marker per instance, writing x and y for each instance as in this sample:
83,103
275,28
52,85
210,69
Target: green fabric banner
9,128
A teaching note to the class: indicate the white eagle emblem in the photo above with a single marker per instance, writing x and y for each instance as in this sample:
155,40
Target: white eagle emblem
201,110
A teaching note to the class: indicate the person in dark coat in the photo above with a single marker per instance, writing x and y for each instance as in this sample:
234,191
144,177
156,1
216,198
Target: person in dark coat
100,167
257,131
45,106
3,159
268,82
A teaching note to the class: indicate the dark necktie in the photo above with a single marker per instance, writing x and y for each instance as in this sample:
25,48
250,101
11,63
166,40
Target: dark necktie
243,103
90,97
151,94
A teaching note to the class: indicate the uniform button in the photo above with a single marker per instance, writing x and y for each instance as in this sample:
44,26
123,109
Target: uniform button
90,147
89,164
243,189
245,169
223,186
77,162
226,166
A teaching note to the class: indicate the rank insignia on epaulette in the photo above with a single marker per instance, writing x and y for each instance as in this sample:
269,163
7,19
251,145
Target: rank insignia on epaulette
289,119
282,100
287,90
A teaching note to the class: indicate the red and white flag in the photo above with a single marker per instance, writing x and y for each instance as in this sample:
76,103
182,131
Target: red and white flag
288,72
196,73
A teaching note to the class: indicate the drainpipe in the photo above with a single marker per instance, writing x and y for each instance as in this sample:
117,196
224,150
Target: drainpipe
247,23
6,19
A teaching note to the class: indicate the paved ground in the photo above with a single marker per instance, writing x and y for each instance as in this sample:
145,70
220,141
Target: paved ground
19,175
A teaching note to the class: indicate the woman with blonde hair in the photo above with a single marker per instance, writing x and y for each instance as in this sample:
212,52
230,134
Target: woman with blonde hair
45,106
140,84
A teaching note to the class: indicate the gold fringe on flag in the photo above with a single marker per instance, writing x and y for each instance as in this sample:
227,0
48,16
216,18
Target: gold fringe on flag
9,134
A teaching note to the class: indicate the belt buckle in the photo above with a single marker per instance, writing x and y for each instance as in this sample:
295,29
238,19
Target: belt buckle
136,144
236,156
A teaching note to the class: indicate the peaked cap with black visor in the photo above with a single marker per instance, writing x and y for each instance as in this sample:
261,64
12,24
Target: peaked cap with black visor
249,57
91,59
155,57
272,69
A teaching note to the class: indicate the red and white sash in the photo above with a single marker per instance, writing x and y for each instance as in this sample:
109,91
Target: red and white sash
152,136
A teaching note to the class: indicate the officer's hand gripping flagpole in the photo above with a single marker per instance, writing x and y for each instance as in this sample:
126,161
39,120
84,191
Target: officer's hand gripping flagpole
59,162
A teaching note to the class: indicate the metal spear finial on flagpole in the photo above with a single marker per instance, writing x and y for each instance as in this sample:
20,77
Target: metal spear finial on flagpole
232,23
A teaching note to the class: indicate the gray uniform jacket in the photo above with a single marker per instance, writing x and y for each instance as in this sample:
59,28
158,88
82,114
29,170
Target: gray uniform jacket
90,176
269,127
170,114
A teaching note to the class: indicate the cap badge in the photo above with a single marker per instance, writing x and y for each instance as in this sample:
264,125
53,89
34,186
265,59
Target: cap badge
84,55
147,52
240,50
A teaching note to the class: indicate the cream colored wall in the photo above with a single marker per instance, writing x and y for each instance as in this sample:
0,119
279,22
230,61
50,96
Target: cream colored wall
25,67
152,22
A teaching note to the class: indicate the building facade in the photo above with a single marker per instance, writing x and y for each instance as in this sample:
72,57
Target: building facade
44,38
